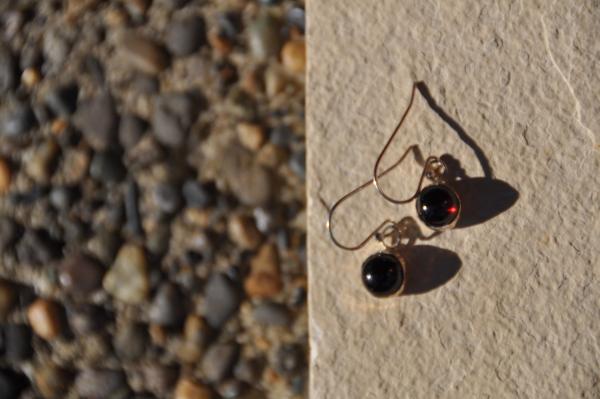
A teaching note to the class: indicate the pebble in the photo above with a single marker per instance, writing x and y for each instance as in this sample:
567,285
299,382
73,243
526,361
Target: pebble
61,198
31,77
289,359
17,342
36,247
56,48
272,314
80,274
298,163
218,361
264,279
131,130
17,120
143,54
185,35
128,280
41,161
8,70
75,165
167,198
168,306
198,195
264,36
159,379
189,389
11,384
248,370
51,381
102,383
196,334
173,116
275,80
222,300
5,175
86,318
107,167
230,389
9,232
62,100
97,119
8,296
104,246
134,224
251,183
130,341
293,56
45,318
251,135
243,232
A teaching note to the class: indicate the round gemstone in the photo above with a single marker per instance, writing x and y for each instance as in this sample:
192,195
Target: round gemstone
382,274
438,206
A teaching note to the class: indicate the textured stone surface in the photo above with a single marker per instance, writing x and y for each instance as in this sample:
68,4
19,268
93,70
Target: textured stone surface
510,305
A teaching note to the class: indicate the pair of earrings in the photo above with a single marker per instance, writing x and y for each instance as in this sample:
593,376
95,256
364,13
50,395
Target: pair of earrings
438,206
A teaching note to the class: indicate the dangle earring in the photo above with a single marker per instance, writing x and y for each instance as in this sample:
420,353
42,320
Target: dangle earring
384,272
438,205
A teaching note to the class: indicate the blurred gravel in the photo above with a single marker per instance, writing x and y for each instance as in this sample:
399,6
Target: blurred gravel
152,223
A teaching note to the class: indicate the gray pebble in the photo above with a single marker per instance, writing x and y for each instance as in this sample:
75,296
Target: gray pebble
17,121
198,195
8,70
62,100
219,360
167,198
36,247
282,136
31,56
97,119
251,183
17,342
168,307
264,36
159,379
56,48
298,163
222,300
130,341
61,197
272,314
107,167
230,389
9,232
134,224
173,116
102,383
185,35
131,129
289,359
145,84
86,318
248,370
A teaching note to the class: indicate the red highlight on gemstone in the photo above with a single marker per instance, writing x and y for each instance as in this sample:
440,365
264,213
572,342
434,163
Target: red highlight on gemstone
452,209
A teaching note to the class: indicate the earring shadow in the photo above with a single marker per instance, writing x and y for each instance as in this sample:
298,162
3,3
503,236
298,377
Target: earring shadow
482,198
428,268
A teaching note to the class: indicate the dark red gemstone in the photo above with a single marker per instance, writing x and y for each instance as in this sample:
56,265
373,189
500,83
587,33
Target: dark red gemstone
438,206
382,274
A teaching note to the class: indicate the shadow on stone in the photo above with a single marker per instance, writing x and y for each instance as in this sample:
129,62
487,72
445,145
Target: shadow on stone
428,268
482,198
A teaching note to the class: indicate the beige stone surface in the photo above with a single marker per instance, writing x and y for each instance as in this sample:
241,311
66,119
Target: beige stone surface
521,316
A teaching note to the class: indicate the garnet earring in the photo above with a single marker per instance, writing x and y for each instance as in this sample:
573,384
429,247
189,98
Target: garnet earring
438,205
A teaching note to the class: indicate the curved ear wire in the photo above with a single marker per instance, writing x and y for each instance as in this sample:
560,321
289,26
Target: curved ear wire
374,233
428,168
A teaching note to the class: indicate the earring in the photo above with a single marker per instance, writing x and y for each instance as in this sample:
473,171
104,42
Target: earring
438,205
383,273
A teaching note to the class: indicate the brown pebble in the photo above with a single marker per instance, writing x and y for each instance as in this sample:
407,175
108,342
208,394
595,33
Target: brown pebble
144,54
219,42
275,80
158,334
31,77
242,231
5,176
189,389
293,56
7,298
45,318
127,280
41,161
262,285
80,274
75,165
51,381
271,155
58,126
251,135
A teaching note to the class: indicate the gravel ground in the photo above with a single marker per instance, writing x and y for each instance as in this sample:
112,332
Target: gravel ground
152,202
